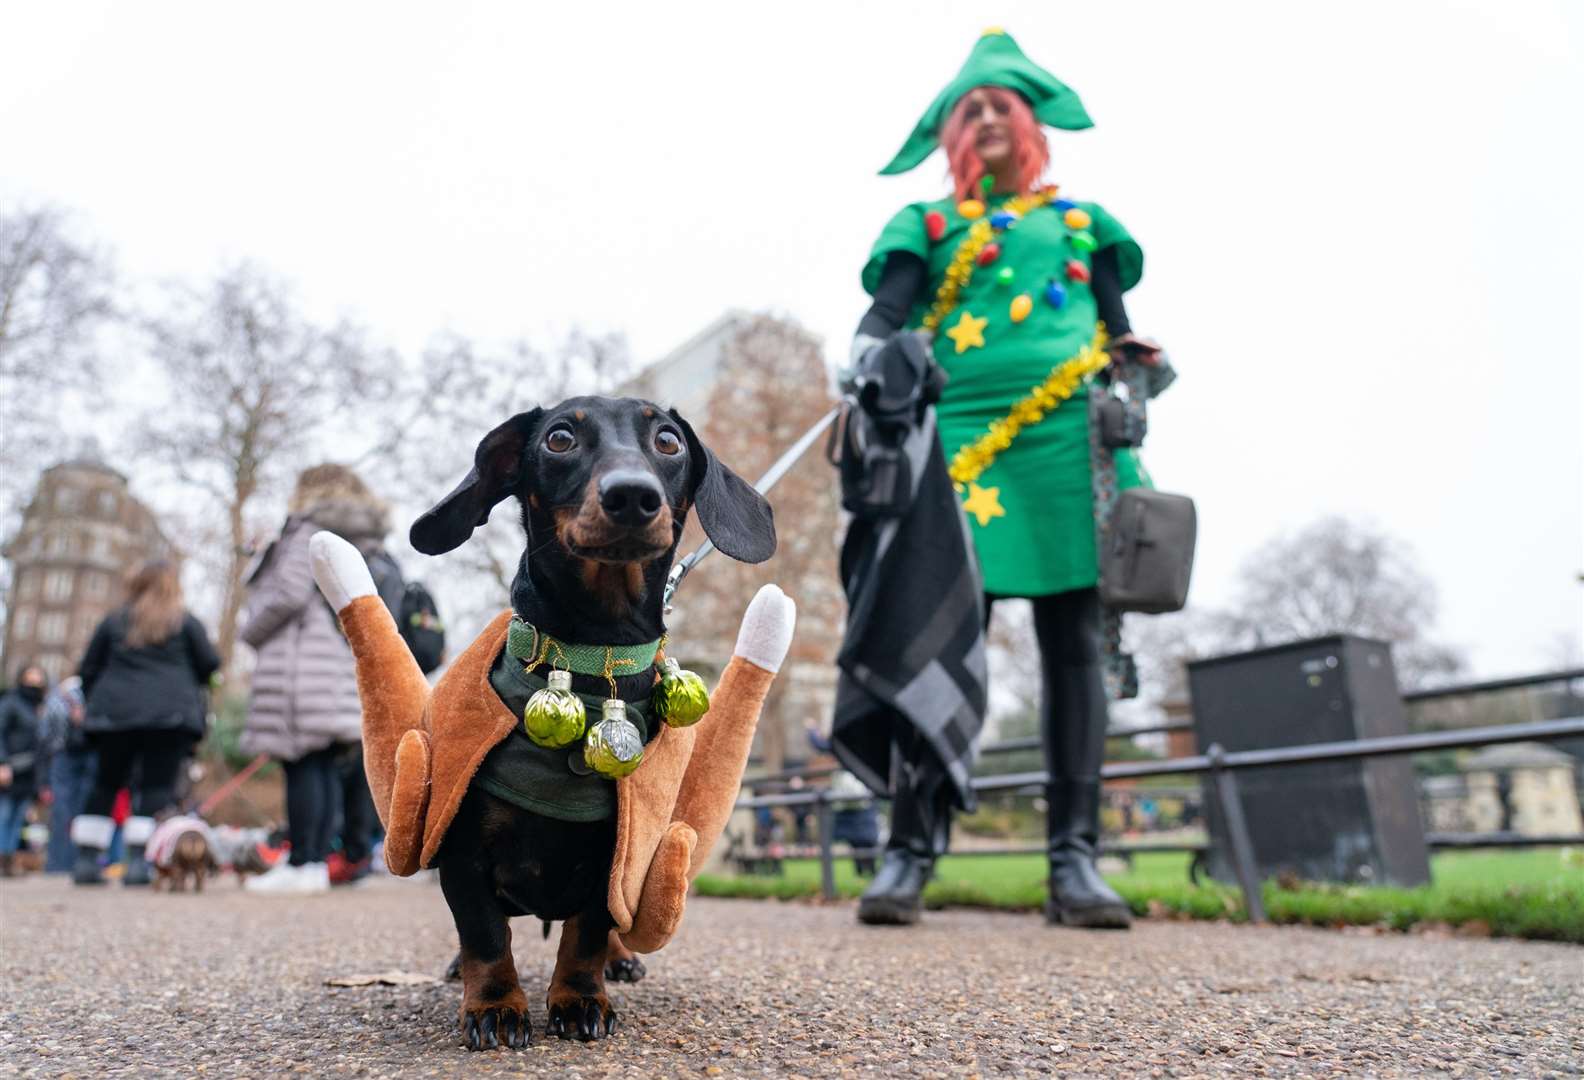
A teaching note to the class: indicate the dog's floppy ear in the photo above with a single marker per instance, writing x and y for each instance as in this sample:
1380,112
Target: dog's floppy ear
736,518
497,468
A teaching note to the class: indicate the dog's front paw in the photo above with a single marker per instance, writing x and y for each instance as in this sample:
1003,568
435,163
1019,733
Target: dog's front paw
575,1015
486,1027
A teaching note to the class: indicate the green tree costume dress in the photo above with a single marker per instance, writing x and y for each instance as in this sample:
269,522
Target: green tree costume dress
1032,510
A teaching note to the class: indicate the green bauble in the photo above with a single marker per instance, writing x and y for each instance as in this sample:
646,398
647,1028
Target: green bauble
613,747
681,699
555,717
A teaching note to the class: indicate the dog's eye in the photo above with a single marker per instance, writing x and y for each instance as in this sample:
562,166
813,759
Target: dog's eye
560,440
666,442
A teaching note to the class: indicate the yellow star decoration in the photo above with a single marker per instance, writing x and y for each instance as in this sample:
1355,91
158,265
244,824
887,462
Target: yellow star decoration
984,503
968,333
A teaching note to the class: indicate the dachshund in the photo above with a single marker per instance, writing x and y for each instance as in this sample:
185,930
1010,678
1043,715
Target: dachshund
605,487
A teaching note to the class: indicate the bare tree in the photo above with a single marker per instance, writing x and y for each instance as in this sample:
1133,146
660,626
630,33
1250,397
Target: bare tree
55,295
252,385
770,389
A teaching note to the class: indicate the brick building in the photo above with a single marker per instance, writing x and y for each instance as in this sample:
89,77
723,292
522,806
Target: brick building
79,536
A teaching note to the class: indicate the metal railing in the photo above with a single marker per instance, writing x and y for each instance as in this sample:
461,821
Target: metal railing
1223,766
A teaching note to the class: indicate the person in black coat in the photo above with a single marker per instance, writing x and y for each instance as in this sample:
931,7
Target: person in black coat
144,678
20,710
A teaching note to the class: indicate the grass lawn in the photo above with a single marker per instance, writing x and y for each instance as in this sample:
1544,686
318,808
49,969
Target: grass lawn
1534,894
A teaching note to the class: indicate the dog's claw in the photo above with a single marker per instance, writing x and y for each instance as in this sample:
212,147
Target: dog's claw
628,969
587,1019
492,1028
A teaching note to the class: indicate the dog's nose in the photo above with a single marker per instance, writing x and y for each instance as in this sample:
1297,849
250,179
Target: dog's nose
630,497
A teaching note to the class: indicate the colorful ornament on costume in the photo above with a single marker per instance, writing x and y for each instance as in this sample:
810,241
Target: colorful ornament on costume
1077,270
968,333
1005,276
1077,218
934,225
971,209
1064,205
1055,295
1002,219
554,717
681,699
988,254
960,272
987,184
613,747
1021,306
1083,240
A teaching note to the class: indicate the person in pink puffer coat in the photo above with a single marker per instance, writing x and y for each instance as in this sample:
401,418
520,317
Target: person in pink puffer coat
304,708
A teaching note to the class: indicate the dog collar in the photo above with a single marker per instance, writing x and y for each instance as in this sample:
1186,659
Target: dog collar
534,647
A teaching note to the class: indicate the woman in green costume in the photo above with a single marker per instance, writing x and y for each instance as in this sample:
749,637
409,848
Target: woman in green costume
1021,291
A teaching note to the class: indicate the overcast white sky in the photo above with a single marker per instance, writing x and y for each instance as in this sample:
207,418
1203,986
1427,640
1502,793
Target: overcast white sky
1363,222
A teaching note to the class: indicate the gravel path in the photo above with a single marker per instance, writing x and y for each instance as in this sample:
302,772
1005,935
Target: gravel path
110,983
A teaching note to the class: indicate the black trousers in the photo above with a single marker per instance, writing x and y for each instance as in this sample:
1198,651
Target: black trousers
149,762
327,794
1072,690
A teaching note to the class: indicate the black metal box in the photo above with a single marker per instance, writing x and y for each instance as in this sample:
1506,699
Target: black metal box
1347,821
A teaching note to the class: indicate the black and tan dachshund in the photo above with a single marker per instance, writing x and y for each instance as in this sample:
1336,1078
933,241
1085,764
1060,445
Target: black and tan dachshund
605,487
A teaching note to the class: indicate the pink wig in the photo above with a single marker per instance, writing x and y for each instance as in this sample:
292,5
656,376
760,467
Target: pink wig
1030,150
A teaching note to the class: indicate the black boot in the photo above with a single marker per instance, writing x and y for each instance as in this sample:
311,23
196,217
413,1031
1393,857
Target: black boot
138,831
138,871
1073,720
920,826
1079,896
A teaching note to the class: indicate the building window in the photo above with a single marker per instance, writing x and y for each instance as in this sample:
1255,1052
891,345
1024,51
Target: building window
55,544
107,503
54,664
22,623
52,629
101,547
58,585
27,584
96,585
67,499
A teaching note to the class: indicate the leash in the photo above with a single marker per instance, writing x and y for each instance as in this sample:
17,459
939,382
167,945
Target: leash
773,474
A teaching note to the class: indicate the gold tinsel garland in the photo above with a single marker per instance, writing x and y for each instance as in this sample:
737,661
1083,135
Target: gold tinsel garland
970,461
980,233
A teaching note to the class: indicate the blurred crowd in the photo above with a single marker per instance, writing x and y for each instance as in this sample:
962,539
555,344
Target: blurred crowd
97,770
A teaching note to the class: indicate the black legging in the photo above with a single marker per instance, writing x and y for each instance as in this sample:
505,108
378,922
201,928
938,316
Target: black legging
324,790
1073,712
157,757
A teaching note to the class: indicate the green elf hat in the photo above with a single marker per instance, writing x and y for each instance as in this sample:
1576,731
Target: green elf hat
995,60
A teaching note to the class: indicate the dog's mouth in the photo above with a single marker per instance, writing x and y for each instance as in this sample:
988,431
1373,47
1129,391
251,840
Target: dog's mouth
594,538
625,550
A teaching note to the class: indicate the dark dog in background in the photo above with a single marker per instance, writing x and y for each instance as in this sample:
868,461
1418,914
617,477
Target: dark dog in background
605,486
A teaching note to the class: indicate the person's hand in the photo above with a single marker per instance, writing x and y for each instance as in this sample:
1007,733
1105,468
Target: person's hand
1132,347
5,776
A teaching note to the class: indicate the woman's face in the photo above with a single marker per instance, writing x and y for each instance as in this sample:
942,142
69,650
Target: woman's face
991,128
